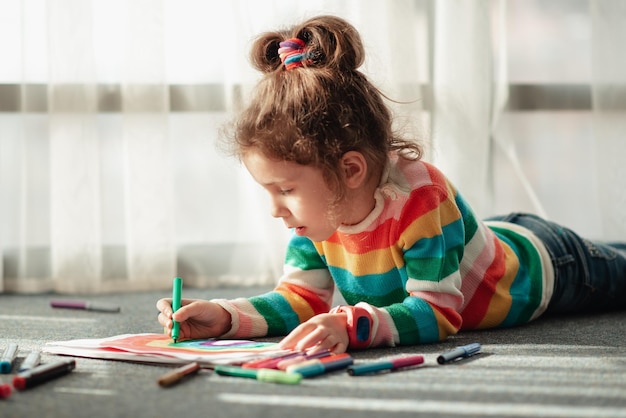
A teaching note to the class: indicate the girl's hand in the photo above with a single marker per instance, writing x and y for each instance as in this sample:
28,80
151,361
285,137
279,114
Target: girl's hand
324,331
197,318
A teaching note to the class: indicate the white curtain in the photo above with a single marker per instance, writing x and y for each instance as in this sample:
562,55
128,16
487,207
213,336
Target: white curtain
110,109
609,114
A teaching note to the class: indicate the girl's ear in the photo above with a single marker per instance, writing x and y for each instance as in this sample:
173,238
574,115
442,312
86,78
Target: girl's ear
354,167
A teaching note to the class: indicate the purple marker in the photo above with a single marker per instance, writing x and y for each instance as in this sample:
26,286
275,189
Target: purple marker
86,305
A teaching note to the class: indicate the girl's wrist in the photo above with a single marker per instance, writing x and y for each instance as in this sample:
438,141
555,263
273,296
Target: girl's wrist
358,325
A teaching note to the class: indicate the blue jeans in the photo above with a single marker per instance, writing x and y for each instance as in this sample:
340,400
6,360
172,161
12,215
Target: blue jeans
588,276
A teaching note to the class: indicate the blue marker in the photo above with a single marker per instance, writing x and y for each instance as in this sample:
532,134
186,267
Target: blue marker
8,357
459,352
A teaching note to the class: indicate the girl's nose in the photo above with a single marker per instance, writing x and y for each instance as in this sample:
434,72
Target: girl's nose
278,210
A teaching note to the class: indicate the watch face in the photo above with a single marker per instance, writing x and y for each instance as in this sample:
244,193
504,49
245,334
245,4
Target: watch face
363,327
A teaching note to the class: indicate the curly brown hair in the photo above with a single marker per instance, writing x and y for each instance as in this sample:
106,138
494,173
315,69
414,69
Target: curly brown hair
314,114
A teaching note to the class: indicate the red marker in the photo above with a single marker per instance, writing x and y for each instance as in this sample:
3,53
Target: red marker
268,363
301,358
5,390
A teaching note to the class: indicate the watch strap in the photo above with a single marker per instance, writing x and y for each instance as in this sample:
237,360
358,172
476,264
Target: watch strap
358,325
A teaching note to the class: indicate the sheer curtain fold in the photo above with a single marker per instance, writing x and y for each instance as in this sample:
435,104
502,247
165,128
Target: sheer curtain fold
609,120
465,90
76,173
148,167
75,229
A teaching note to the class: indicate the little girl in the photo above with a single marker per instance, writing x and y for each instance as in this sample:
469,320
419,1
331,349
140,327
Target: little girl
373,220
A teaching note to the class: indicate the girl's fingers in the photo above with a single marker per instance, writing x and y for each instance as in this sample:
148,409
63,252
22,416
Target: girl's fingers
316,337
290,341
165,306
165,321
186,311
339,348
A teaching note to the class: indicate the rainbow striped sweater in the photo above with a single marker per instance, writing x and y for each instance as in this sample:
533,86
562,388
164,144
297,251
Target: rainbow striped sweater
421,263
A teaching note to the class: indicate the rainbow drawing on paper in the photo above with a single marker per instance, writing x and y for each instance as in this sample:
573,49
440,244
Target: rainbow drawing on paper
161,344
159,348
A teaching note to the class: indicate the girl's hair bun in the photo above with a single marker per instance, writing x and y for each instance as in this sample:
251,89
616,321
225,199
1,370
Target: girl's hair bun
264,53
331,42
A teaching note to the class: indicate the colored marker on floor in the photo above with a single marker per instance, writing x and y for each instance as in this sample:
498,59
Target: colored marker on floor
263,375
178,374
301,358
31,361
84,305
8,357
43,373
311,368
385,366
5,390
459,353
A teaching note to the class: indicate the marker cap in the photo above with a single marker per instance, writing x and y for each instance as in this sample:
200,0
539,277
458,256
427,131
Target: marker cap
277,376
264,375
8,356
5,390
19,382
5,366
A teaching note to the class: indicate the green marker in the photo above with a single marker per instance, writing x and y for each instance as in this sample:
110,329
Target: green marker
263,375
177,291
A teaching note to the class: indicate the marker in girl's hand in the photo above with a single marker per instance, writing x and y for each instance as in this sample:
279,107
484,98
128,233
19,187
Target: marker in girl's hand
177,291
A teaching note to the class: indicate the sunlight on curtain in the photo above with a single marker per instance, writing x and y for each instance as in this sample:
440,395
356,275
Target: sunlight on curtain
75,243
469,89
609,120
109,175
110,111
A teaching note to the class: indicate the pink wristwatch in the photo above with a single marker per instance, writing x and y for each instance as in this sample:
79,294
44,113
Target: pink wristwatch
359,325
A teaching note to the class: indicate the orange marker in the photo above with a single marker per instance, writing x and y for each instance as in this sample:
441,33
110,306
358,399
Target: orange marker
175,376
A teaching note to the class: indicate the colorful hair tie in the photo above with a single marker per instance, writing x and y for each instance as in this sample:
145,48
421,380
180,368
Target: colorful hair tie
293,53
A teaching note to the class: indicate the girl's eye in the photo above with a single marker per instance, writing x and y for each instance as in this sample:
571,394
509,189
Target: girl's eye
285,192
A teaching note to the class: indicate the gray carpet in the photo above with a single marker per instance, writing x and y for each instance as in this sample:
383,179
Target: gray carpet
571,366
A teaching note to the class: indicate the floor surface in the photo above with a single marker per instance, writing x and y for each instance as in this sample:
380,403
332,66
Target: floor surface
555,367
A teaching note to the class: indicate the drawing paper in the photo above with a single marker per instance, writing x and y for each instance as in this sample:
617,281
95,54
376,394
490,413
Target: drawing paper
160,348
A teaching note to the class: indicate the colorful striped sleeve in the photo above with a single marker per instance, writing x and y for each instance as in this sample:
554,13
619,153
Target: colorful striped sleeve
305,289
